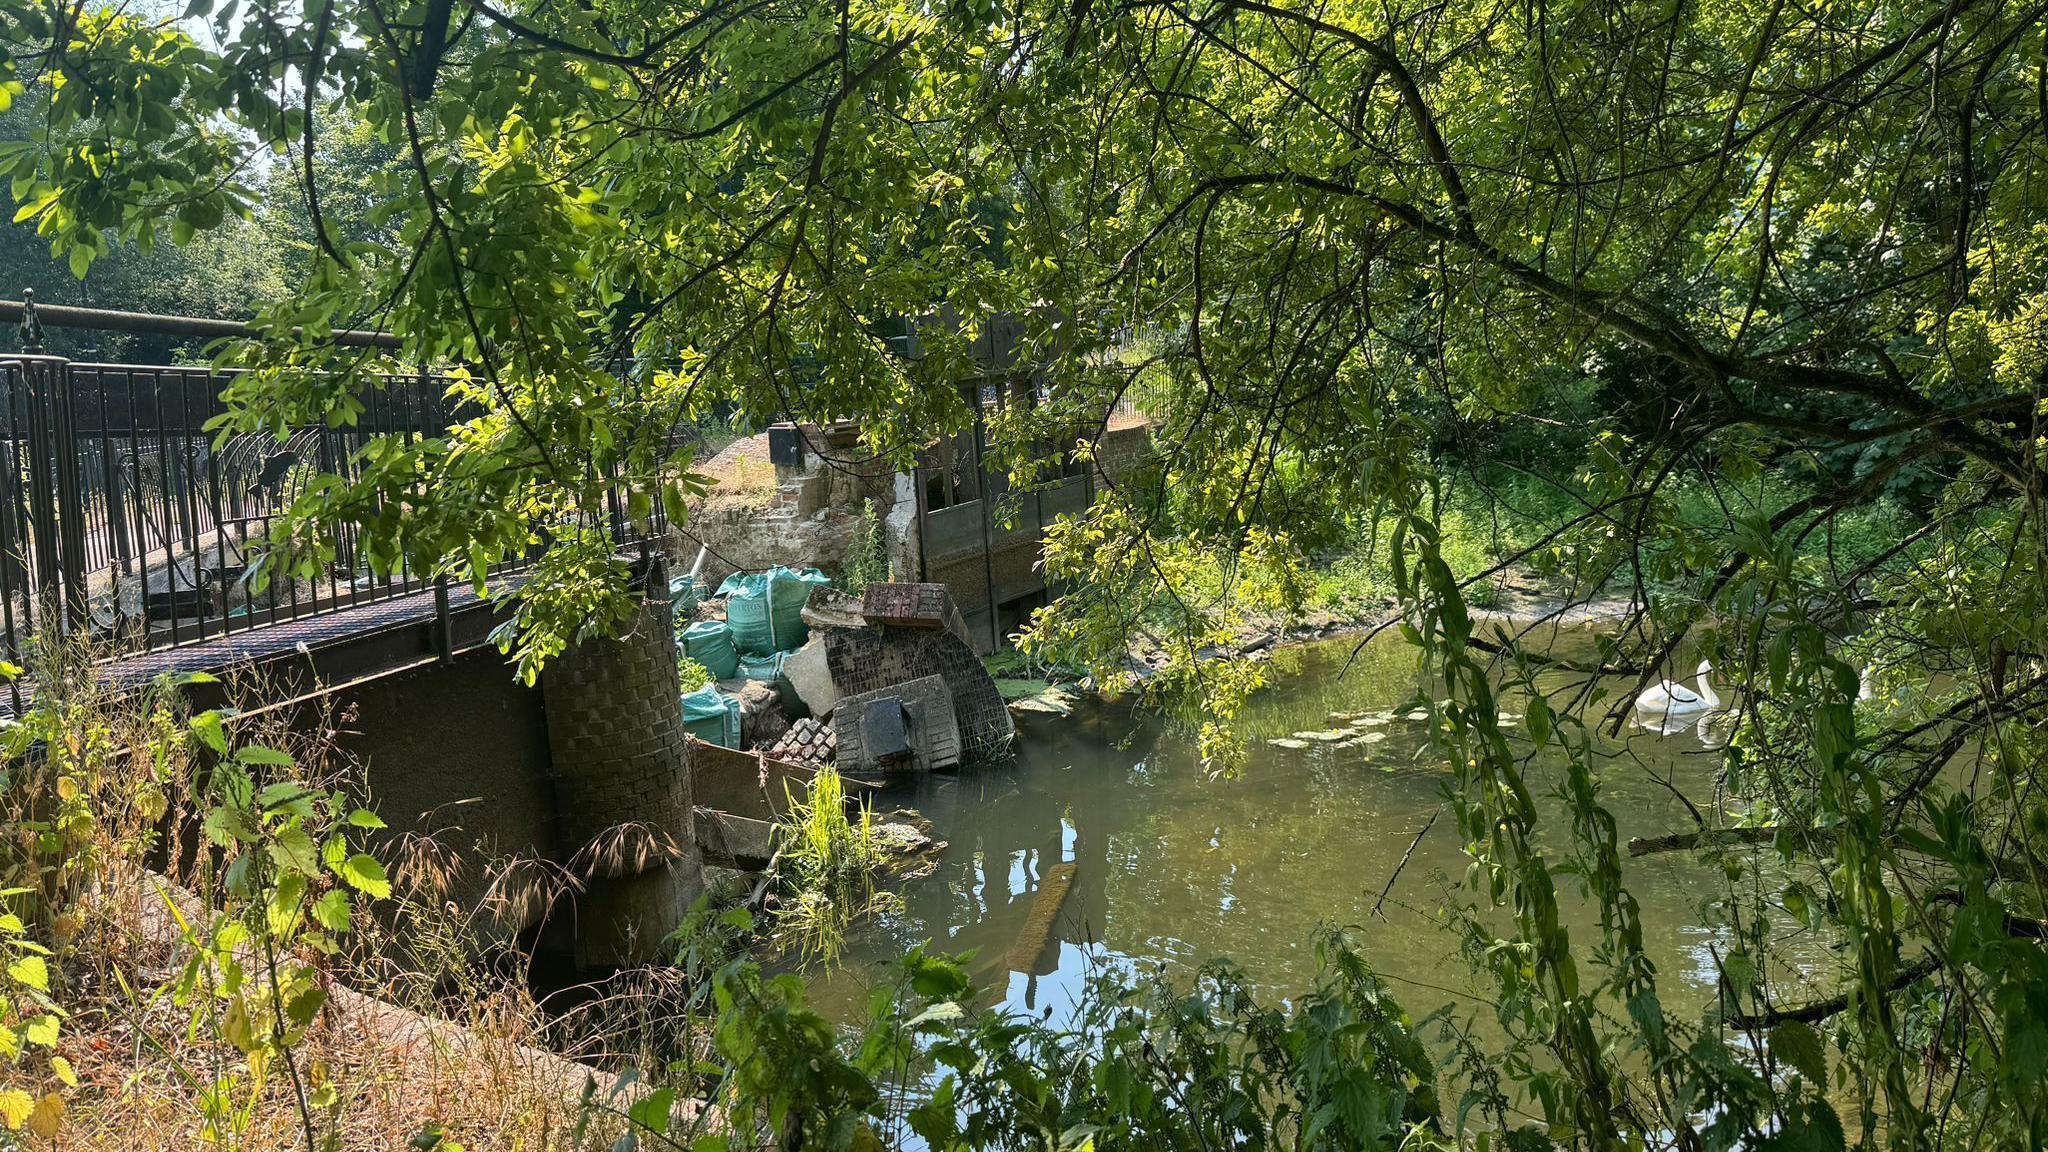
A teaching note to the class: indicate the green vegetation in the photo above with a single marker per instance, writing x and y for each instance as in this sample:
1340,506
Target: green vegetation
868,560
828,862
1730,309
690,675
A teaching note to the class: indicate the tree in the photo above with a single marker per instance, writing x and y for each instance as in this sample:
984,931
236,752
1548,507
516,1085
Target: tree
1362,242
224,274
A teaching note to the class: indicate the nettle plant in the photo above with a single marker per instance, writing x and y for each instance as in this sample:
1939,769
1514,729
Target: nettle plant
286,879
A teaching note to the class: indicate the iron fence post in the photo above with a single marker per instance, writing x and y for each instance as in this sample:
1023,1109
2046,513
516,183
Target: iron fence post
444,629
56,512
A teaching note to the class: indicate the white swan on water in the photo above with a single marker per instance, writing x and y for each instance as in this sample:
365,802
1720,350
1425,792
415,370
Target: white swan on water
1671,698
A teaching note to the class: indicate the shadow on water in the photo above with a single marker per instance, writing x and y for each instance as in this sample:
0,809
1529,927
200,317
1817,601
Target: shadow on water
1172,867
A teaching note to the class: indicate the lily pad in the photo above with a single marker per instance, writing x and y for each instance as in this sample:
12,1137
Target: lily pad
1288,743
1323,736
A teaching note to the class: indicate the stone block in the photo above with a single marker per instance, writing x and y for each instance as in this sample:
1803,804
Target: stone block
809,675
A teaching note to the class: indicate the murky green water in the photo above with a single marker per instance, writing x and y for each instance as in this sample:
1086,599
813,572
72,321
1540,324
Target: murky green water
1173,867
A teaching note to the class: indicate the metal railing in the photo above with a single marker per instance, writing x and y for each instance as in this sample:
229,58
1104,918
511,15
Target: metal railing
124,518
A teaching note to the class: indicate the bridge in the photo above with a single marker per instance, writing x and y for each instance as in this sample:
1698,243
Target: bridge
126,525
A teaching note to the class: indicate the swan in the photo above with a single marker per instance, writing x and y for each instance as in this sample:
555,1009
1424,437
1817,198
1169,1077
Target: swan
1673,699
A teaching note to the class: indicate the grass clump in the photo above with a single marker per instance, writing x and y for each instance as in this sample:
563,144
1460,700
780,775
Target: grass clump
827,864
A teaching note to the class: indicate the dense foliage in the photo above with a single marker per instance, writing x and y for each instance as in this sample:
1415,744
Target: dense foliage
1724,279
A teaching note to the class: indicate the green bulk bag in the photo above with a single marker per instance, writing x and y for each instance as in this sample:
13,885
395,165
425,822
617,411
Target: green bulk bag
683,594
765,609
712,716
709,642
768,670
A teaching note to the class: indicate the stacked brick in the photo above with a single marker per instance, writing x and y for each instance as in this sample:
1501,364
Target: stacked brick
808,741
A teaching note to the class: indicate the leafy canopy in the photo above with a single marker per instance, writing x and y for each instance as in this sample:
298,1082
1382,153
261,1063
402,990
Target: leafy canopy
1697,248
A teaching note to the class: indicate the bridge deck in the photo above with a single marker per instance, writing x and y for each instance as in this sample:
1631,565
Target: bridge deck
374,636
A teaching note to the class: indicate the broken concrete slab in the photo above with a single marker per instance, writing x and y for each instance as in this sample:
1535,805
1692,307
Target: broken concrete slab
753,784
734,841
831,608
727,780
809,674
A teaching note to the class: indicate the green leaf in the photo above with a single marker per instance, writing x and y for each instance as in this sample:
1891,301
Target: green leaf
1799,1046
207,727
294,849
266,757
1539,720
331,910
30,971
41,1031
305,1004
652,1110
365,873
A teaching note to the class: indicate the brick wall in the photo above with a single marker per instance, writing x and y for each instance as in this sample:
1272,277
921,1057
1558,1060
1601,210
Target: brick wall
864,660
615,734
1122,451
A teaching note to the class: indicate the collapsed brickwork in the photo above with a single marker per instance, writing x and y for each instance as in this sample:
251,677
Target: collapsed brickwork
869,659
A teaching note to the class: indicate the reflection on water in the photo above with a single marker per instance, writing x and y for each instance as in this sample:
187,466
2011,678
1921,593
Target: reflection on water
1174,868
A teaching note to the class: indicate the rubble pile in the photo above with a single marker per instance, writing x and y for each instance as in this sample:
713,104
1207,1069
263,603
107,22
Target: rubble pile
811,676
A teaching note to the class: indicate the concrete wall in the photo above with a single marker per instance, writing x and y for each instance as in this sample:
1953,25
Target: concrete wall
481,778
456,758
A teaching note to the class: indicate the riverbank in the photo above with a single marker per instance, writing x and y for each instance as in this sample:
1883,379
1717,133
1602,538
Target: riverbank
1517,603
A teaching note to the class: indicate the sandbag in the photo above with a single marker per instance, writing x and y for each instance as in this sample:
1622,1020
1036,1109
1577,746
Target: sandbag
765,609
709,642
767,669
712,716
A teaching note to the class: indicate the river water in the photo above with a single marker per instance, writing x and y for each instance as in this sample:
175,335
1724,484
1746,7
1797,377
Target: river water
1173,867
